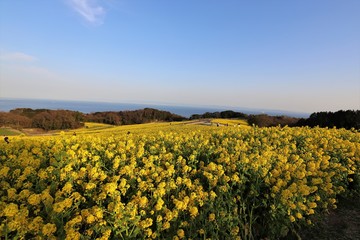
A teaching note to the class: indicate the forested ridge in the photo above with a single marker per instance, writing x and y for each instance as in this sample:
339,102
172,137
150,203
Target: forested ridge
65,119
340,119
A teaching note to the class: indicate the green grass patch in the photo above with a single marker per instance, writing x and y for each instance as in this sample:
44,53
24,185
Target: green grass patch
9,132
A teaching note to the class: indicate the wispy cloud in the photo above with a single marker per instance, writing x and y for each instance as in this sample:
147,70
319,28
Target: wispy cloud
90,10
17,57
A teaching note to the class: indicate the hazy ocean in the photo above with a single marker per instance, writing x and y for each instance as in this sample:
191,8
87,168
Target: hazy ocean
6,104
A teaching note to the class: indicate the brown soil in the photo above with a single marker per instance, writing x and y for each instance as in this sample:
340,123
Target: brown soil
37,131
342,223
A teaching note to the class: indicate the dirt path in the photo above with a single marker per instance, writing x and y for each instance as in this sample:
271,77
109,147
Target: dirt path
199,122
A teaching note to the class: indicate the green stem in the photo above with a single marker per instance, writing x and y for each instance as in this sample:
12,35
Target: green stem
6,232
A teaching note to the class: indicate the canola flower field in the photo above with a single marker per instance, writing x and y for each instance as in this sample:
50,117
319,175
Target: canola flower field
162,181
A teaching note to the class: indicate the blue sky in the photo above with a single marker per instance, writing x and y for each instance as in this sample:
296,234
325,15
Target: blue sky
290,55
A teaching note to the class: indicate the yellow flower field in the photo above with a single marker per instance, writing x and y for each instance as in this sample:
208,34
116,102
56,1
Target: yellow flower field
162,181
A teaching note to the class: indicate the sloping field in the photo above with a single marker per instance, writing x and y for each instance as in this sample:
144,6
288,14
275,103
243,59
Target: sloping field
174,181
91,128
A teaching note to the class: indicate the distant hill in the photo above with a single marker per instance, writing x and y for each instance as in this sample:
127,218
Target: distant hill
65,119
42,118
341,119
261,120
145,115
223,114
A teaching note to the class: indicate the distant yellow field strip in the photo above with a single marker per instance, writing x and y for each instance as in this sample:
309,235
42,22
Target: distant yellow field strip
240,122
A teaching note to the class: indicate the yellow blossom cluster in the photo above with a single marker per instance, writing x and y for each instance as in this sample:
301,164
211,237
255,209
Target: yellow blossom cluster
176,182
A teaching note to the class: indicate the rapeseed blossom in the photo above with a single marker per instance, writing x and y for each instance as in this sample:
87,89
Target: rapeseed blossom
11,210
181,182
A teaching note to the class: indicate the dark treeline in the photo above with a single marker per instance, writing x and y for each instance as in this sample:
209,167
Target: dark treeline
340,119
64,119
133,117
223,114
41,118
264,120
261,120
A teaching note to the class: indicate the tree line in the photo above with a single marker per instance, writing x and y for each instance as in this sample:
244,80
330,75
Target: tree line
341,119
145,115
41,118
261,120
223,114
65,119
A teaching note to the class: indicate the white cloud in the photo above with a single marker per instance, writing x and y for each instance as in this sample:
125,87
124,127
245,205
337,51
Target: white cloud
17,57
90,10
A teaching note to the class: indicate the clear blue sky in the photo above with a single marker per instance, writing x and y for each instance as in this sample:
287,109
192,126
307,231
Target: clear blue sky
289,55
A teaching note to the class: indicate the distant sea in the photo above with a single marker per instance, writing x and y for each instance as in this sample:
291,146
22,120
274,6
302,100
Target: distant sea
7,104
